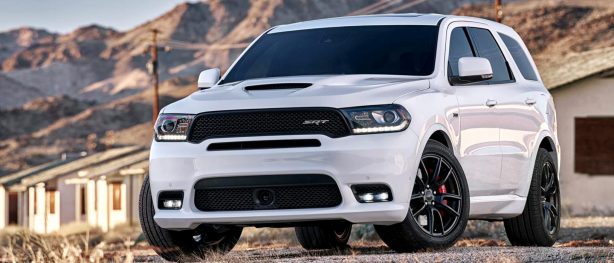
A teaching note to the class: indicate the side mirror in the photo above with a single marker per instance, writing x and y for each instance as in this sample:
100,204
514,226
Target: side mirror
473,69
208,78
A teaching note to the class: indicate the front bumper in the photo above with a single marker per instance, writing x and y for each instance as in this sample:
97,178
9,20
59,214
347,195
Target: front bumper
388,158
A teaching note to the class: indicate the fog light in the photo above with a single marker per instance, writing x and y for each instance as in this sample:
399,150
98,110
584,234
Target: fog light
372,193
170,200
368,197
171,204
382,197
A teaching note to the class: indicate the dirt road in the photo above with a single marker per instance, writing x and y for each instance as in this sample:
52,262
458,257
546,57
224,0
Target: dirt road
581,240
381,254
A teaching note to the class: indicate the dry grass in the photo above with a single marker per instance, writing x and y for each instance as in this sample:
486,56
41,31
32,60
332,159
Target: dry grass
79,243
82,243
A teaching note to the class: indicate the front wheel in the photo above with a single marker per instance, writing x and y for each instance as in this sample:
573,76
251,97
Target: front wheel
439,204
186,245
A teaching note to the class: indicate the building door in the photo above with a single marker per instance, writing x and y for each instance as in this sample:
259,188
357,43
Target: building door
13,209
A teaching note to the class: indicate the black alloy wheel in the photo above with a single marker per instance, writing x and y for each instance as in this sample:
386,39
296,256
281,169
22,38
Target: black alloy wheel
436,202
539,223
438,207
550,198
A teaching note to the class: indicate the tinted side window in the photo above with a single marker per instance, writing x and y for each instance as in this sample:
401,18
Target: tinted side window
459,47
520,57
487,48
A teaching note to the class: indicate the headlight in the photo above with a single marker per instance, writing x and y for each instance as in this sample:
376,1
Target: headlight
377,119
172,127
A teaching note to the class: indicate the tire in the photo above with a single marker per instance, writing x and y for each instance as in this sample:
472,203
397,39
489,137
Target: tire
186,245
433,231
539,223
331,236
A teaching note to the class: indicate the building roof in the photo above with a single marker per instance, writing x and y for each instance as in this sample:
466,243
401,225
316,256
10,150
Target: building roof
118,164
574,67
16,177
62,169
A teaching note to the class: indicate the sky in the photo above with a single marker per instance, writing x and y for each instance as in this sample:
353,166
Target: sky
63,16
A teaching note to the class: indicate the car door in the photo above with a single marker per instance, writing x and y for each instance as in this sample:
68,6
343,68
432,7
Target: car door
520,117
480,154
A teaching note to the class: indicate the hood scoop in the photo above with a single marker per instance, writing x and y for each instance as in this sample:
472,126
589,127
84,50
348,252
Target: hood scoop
280,86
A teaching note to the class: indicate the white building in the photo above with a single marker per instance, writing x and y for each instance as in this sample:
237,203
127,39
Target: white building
100,190
583,89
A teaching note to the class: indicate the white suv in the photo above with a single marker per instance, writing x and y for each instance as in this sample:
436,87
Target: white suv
414,123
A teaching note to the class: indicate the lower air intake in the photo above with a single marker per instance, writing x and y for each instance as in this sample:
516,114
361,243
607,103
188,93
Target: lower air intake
266,192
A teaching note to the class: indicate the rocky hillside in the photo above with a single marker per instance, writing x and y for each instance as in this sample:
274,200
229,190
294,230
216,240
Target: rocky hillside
15,93
97,77
88,89
552,29
101,64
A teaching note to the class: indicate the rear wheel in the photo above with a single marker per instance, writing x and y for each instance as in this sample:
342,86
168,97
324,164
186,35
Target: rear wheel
439,205
186,245
539,223
329,236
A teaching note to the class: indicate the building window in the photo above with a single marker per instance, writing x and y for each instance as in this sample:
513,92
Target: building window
83,200
51,196
35,202
13,205
594,145
117,196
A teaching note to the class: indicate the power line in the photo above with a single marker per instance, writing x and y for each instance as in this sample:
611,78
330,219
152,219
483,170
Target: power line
405,6
176,44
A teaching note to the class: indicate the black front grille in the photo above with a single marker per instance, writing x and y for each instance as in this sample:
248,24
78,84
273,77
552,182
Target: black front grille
284,191
326,121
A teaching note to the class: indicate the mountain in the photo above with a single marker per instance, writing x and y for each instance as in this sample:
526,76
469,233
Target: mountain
15,93
101,64
16,40
555,28
89,89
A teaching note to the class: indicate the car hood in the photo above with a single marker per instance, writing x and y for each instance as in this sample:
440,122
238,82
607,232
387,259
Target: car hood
324,91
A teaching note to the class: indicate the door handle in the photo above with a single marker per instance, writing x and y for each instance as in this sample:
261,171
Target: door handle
491,103
530,101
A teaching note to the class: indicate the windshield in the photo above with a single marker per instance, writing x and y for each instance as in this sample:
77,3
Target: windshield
394,50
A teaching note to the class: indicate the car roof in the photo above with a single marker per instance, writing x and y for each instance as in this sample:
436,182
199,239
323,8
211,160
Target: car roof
380,19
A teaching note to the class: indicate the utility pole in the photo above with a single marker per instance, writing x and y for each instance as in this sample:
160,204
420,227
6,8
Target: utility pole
498,11
153,70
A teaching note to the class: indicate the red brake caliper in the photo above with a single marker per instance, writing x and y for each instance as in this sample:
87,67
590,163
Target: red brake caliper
442,190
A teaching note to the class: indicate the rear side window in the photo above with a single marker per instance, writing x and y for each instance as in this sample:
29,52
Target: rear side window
520,57
459,47
487,47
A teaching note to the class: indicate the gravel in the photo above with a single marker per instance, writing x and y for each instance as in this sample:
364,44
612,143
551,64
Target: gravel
588,239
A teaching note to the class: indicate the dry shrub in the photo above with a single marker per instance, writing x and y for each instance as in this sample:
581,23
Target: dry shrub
480,243
588,243
267,237
26,246
21,245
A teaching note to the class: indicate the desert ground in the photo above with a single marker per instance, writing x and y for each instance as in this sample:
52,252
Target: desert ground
582,239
